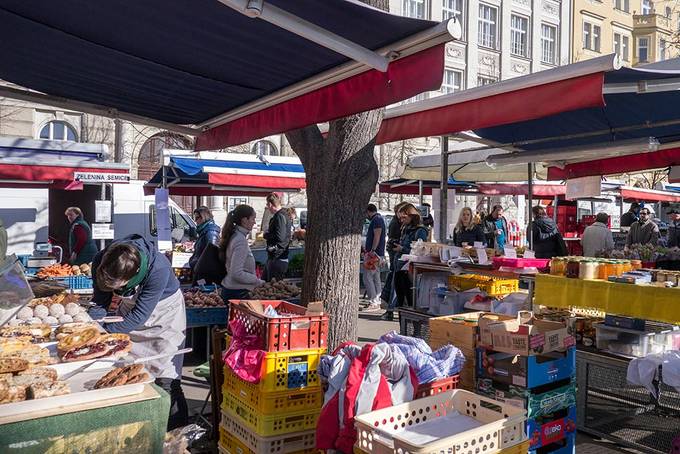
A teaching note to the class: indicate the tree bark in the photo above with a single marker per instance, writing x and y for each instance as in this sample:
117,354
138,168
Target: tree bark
341,174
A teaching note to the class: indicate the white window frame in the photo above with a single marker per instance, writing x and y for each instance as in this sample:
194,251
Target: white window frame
646,7
587,35
457,85
410,8
549,44
519,35
663,44
454,8
487,35
597,38
50,134
485,80
625,47
646,47
622,5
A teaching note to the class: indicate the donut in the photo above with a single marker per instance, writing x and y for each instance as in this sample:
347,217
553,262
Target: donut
41,311
72,309
57,310
25,313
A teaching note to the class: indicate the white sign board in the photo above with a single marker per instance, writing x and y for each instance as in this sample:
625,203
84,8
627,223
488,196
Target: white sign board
102,211
482,258
98,177
181,259
583,187
102,231
510,252
529,254
163,220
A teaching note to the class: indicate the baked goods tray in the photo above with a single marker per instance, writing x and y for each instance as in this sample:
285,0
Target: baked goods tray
82,391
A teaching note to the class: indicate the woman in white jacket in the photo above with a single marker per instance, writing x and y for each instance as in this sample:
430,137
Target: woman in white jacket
237,256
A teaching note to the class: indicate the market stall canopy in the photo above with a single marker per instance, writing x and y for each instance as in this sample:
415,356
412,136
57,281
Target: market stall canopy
412,187
56,164
467,166
206,64
545,93
631,194
640,116
209,173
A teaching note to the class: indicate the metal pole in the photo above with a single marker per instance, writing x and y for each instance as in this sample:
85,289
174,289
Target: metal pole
102,196
420,192
555,199
443,189
530,198
118,140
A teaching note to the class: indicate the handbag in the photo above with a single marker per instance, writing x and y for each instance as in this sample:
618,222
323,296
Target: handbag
209,266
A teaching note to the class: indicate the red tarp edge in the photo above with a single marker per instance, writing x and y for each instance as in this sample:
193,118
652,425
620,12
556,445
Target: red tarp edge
369,90
46,173
209,191
539,190
619,164
520,105
642,196
256,181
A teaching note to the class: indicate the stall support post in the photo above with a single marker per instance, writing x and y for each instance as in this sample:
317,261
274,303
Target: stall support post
555,199
102,196
420,192
444,186
118,140
530,192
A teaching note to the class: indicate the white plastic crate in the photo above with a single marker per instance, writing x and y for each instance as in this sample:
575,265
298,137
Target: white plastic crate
388,431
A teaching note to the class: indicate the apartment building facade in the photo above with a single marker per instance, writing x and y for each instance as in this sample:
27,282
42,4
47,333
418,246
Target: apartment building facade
656,30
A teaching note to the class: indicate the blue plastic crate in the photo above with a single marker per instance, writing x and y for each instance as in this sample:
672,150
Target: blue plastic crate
23,259
552,430
76,282
206,316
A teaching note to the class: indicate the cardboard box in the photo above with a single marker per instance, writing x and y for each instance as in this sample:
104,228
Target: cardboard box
460,330
539,402
524,335
552,429
526,371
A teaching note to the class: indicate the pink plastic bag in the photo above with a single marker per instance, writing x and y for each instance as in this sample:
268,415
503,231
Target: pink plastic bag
243,356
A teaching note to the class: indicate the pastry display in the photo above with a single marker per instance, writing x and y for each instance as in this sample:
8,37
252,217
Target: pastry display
34,383
126,375
48,389
78,338
119,344
37,332
11,365
53,310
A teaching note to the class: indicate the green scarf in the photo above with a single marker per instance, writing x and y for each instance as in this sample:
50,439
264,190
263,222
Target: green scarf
139,277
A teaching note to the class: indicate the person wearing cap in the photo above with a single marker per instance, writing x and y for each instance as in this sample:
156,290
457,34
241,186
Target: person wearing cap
643,231
597,236
630,216
673,239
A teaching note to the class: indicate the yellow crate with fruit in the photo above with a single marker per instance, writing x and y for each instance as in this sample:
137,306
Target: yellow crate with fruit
492,286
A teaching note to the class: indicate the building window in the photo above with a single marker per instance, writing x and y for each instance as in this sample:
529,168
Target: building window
58,130
623,5
485,80
591,36
646,7
265,148
669,12
624,48
621,45
519,27
453,81
453,9
596,38
643,49
487,26
548,44
413,8
662,49
416,98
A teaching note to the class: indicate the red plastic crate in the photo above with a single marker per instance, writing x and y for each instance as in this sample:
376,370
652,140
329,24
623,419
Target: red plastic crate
293,331
437,386
520,262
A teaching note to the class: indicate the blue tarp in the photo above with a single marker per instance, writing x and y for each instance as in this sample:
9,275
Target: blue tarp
180,61
195,166
621,110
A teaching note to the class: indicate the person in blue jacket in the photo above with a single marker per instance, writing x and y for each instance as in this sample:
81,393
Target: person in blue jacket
412,230
152,307
208,233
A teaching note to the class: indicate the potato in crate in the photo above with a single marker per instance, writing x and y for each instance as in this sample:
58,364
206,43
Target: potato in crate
453,422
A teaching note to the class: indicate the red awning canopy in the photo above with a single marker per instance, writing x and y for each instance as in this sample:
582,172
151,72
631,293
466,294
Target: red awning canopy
621,164
62,177
372,89
648,195
539,190
540,100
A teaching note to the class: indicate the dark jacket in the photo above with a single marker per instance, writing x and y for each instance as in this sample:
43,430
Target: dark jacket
278,235
159,283
628,218
469,236
86,248
673,239
208,233
489,227
548,241
410,234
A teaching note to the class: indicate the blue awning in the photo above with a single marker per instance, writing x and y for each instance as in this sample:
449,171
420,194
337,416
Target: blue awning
628,103
178,61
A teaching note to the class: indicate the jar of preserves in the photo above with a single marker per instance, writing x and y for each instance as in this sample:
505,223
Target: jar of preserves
558,266
573,269
636,264
604,270
618,268
588,269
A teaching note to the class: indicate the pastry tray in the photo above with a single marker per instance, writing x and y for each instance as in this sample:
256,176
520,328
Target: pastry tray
82,390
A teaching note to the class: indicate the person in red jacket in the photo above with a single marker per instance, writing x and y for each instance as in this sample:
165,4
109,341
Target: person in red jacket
81,246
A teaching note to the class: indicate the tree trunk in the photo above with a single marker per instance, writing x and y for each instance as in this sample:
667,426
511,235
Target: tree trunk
341,176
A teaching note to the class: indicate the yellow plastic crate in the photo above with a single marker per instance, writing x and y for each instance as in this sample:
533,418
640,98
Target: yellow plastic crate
287,371
269,425
492,286
521,448
272,402
239,439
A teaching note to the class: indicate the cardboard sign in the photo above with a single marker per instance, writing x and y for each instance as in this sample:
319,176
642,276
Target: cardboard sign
510,252
102,211
529,254
478,244
102,231
482,257
164,233
181,259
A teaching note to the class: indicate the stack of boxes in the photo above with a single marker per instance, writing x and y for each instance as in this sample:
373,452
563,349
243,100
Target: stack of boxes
531,363
278,414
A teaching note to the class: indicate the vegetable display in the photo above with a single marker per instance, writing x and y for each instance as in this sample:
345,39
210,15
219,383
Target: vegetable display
196,298
59,270
275,290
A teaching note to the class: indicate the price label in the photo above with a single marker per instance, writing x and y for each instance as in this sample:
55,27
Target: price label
455,252
478,244
529,254
482,257
510,252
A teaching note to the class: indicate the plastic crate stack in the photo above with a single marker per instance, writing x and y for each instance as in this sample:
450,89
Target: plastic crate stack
531,365
278,414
